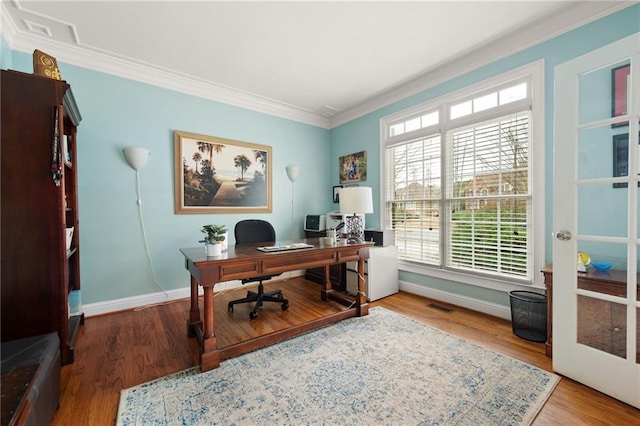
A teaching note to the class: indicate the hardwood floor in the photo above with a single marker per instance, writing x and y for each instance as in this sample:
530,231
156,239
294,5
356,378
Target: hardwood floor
124,349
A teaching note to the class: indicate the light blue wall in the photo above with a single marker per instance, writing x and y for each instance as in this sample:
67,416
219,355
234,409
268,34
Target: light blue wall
364,134
118,113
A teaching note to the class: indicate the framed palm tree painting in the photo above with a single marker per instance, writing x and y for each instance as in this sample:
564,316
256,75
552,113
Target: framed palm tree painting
217,175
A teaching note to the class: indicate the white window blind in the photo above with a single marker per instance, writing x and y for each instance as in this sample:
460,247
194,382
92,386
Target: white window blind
414,206
488,197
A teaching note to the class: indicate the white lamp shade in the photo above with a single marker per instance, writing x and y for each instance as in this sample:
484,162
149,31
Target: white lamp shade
356,200
136,157
293,172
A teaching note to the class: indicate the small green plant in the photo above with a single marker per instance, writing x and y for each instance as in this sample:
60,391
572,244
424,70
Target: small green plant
213,233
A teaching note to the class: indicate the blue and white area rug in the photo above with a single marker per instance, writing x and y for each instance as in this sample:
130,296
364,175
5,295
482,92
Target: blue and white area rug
384,368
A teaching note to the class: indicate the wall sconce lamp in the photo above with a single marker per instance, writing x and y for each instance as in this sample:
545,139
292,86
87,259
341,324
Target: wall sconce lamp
136,157
293,172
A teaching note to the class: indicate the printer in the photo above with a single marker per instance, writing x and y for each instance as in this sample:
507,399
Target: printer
380,237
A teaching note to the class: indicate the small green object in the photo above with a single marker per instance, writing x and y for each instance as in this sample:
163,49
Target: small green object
214,233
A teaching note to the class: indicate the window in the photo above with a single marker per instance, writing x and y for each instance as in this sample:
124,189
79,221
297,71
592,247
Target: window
414,172
458,186
420,122
486,228
489,100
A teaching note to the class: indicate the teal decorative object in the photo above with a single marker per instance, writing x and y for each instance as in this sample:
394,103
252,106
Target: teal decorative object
601,265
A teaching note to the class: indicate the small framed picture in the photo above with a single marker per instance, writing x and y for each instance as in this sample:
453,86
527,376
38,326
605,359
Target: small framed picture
336,193
621,158
619,89
353,167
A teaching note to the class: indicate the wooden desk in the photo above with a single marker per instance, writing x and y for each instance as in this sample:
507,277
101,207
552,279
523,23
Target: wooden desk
245,261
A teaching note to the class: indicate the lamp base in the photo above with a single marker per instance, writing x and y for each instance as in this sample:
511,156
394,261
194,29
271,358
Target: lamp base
355,229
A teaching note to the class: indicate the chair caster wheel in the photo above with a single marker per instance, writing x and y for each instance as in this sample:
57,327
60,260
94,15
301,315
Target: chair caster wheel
253,315
285,306
230,308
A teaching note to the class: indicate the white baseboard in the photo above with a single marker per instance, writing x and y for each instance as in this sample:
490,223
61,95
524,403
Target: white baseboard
101,308
128,303
488,308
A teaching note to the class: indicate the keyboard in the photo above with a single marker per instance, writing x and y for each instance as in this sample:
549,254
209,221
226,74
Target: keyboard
285,247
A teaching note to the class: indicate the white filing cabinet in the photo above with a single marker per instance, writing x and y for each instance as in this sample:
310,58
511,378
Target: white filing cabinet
380,273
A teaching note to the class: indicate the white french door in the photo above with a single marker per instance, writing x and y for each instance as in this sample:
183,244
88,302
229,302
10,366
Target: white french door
596,211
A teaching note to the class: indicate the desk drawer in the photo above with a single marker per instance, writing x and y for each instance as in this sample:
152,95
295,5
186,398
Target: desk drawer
239,270
349,256
303,259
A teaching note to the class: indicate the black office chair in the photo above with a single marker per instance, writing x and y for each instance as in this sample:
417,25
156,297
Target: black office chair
257,231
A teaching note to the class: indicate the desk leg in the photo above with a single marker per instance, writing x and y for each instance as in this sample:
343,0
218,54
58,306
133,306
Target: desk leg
210,357
326,287
361,301
194,314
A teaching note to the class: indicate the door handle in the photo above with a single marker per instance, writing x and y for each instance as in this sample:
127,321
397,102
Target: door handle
563,235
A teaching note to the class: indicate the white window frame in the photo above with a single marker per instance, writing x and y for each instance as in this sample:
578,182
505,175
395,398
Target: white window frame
535,72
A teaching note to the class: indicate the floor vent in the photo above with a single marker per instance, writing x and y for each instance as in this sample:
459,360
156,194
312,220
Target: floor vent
440,308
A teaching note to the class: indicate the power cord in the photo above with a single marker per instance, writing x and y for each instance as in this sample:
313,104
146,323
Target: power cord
144,237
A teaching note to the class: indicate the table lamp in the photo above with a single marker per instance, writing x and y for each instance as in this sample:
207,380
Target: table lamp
355,200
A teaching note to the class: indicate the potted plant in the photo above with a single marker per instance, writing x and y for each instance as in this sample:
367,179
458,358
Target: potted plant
214,236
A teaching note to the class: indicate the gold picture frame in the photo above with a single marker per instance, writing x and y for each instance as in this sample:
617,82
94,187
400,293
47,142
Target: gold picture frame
218,175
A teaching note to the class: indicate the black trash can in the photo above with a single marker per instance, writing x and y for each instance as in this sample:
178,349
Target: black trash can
529,315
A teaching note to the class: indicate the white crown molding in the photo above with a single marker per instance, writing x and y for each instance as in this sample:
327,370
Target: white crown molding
571,17
153,75
8,28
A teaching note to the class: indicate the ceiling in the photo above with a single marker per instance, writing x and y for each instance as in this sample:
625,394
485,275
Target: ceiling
319,62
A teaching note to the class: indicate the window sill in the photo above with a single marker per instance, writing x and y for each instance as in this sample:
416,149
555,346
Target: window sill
470,279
